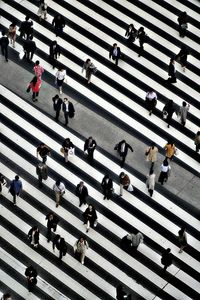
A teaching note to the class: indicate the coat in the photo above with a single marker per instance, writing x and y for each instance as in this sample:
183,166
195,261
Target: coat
83,193
31,272
34,238
42,170
118,52
70,108
125,181
152,154
29,46
57,103
15,187
170,150
51,223
183,113
66,146
125,152
60,244
54,51
91,147
26,26
107,185
59,23
35,88
90,216
166,259
170,109
4,42
150,183
81,247
172,70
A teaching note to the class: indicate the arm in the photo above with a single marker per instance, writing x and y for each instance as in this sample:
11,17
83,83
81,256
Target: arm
130,147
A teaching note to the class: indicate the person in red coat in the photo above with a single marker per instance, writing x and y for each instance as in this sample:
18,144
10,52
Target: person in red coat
34,85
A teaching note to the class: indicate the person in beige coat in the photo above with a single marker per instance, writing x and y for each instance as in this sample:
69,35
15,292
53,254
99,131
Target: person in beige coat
150,183
151,153
80,249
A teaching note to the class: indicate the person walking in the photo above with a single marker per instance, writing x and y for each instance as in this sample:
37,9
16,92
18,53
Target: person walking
125,183
26,28
38,70
31,276
107,187
165,168
15,188
59,189
90,217
115,53
181,57
150,182
183,112
142,36
29,48
54,53
4,42
121,294
151,154
59,24
182,238
89,68
34,236
89,147
166,258
151,101
168,111
135,239
80,249
60,244
43,150
131,33
172,71
34,85
6,296
68,110
170,150
12,34
42,172
182,22
3,182
67,146
82,193
122,149
57,104
42,11
52,222
197,141
59,78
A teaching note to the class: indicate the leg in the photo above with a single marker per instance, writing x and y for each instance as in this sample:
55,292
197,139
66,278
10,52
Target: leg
6,53
123,161
48,234
40,181
60,255
44,159
14,199
66,156
82,257
57,115
116,61
141,48
88,226
57,198
31,54
66,117
121,189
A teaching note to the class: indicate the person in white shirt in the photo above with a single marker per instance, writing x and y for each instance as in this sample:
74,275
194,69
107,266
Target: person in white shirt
59,189
60,77
151,101
165,168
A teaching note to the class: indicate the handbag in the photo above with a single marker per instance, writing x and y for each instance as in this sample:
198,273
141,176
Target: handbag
130,188
165,115
95,223
62,150
71,152
28,89
147,152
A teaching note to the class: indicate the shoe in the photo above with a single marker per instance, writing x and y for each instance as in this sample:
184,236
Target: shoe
87,230
104,197
56,205
180,251
60,92
168,125
6,60
150,113
80,205
82,262
48,241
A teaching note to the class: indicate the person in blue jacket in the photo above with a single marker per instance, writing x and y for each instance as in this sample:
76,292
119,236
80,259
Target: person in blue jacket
15,188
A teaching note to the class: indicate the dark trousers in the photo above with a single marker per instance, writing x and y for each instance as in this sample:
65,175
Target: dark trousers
29,55
49,231
31,284
52,60
116,59
58,30
90,155
57,114
141,49
123,158
107,193
35,95
14,198
66,114
182,31
40,181
197,147
172,79
82,200
4,51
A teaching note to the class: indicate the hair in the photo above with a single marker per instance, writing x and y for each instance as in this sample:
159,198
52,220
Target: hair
115,44
27,18
106,176
170,142
16,177
67,139
58,181
131,25
165,162
181,231
90,137
35,227
198,132
60,69
88,60
141,29
171,59
168,250
42,144
184,103
34,80
170,102
37,62
3,32
13,24
54,42
153,145
6,296
81,182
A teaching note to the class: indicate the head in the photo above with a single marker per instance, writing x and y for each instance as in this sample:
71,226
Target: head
170,142
54,43
67,140
3,33
170,102
123,141
181,231
106,176
90,138
165,162
198,132
151,90
27,18
56,96
184,104
13,24
58,181
37,63
131,26
7,296
115,45
66,100
59,17
141,29
168,250
172,61
81,183
88,61
90,206
17,177
42,145
60,69
30,37
153,145
81,239
35,228
122,174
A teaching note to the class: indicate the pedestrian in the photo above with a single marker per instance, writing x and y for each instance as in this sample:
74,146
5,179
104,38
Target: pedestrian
135,239
15,188
182,21
34,85
80,249
170,150
120,294
89,147
89,68
197,141
60,244
59,24
81,193
151,101
34,236
142,36
42,172
125,183
168,111
172,71
4,42
31,275
3,182
68,110
122,148
183,112
29,48
115,53
90,217
12,34
182,238
54,53
43,150
57,104
131,33
26,28
182,57
166,258
59,189
38,70
59,78
151,154
67,146
107,187
6,296
52,222
165,168
150,182
42,11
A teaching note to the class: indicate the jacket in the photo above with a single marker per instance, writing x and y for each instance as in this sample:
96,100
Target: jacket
4,41
126,147
54,50
42,170
15,187
60,244
57,103
135,239
70,108
52,222
125,181
172,70
170,150
90,216
58,22
152,154
35,88
81,193
81,247
91,147
26,26
31,272
111,52
29,46
166,258
33,237
67,145
107,185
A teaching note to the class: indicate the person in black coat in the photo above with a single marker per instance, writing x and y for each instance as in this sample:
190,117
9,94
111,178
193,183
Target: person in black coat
42,172
31,275
131,33
6,296
60,244
4,42
66,146
26,28
52,222
115,53
107,187
58,23
182,21
166,258
90,146
168,111
29,48
172,71
182,57
90,216
54,52
57,103
33,236
68,109
81,193
122,149
141,35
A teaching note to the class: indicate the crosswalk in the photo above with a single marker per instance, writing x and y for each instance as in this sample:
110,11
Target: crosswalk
92,26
